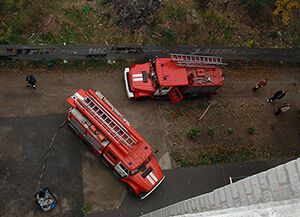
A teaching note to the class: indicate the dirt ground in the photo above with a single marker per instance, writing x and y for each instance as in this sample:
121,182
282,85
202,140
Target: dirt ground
224,135
30,117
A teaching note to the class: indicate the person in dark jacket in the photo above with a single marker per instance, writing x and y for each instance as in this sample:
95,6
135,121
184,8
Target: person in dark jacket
31,81
283,109
278,95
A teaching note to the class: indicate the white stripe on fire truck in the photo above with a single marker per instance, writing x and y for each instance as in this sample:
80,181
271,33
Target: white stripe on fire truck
153,177
137,75
79,96
150,179
137,79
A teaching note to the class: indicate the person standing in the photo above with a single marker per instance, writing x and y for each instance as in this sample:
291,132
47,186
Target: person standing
260,84
278,95
283,109
31,81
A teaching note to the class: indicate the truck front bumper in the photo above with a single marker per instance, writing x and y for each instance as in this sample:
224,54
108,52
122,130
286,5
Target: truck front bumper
129,93
146,195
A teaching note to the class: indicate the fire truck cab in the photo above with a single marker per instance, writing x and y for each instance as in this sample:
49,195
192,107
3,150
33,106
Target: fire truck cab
178,76
110,136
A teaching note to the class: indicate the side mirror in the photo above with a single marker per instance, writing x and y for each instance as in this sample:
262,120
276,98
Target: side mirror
155,151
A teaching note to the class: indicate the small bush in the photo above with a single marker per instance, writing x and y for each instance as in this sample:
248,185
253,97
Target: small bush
222,154
230,130
86,9
257,7
169,35
87,207
201,4
211,131
251,130
250,43
194,133
212,39
180,158
228,34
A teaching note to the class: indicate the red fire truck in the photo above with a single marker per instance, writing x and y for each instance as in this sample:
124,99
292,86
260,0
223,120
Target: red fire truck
178,76
114,141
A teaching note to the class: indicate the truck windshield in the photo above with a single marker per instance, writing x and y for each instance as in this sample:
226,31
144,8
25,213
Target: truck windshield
153,74
141,168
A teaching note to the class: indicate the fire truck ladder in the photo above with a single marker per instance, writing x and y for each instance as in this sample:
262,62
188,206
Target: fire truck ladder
115,128
196,61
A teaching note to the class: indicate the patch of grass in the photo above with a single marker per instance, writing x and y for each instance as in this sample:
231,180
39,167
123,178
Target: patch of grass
12,30
48,38
169,36
256,7
251,130
212,39
193,133
228,34
180,158
211,131
201,5
230,130
250,43
176,12
69,34
86,9
87,207
221,154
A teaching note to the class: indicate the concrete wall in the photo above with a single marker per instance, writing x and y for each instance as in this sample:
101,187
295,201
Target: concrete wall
277,184
290,208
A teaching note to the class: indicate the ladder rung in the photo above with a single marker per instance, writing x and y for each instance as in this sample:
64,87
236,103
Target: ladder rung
115,131
206,60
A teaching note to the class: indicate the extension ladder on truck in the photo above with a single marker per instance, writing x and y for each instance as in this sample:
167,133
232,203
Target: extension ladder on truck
196,61
110,124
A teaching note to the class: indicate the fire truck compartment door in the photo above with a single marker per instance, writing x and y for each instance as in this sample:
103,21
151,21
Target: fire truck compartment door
83,130
175,95
76,126
121,169
162,91
92,141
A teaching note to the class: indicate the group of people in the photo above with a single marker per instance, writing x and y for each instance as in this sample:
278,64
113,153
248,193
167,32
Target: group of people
277,95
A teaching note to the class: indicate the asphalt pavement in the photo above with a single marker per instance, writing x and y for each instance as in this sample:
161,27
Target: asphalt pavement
181,184
24,143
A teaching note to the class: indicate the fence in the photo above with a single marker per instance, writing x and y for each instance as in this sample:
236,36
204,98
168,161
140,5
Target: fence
110,52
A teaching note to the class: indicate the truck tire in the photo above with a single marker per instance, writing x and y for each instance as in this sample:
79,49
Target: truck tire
129,189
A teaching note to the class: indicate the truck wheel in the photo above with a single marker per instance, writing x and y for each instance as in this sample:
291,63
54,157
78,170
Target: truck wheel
129,189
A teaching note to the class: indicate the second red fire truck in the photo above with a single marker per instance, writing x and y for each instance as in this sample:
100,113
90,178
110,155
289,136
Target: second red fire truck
114,140
177,76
